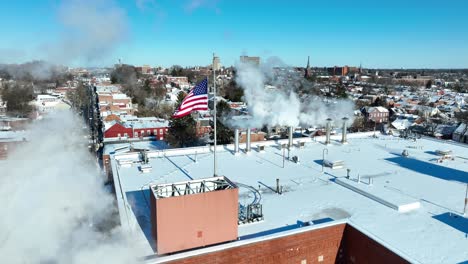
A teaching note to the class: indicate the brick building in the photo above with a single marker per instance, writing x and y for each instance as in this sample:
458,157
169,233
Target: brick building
378,114
138,128
341,243
115,103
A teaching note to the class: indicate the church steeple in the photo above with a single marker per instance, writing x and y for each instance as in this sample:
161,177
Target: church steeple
307,70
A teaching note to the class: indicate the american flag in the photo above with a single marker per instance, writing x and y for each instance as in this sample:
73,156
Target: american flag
197,99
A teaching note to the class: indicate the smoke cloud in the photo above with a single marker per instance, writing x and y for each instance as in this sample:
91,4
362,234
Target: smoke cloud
279,104
92,29
54,206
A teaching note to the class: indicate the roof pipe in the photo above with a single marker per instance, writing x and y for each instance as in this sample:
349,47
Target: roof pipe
290,137
344,138
327,141
247,147
236,141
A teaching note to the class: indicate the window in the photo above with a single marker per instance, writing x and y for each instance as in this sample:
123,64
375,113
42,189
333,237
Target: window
148,132
125,135
155,132
118,134
160,131
136,134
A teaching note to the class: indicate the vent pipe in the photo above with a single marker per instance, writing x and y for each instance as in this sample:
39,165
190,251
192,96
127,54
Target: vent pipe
290,137
236,141
247,147
327,141
344,139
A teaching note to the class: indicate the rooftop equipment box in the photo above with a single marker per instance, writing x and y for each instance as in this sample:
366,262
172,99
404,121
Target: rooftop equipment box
193,214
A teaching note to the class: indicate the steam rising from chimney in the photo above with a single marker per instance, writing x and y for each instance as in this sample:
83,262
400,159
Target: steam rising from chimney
283,106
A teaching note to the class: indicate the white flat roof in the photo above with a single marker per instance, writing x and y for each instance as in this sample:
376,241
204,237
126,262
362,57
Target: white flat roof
429,234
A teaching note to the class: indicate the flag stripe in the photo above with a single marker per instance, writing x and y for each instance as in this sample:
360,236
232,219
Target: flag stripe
194,102
196,99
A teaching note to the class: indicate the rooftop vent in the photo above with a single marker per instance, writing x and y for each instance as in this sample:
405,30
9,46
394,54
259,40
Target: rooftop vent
337,164
445,152
146,168
261,148
300,144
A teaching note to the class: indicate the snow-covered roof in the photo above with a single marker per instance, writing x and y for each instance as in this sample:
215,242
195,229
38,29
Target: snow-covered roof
429,234
107,88
402,124
141,124
14,136
378,109
461,129
119,96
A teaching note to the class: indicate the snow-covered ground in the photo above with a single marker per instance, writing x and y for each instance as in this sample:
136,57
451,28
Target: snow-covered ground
434,233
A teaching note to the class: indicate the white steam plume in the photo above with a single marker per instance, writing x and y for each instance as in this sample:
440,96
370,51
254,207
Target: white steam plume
54,206
283,106
91,30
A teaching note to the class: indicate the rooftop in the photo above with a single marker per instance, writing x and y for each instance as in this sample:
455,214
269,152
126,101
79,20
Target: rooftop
413,205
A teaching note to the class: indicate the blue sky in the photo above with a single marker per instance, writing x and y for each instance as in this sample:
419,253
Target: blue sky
411,33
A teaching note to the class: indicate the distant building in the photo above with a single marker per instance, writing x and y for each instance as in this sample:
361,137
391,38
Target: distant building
216,63
203,124
251,60
181,81
378,114
136,128
145,69
3,107
342,71
461,133
115,103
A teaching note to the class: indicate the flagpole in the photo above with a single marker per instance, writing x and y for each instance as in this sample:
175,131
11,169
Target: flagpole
214,102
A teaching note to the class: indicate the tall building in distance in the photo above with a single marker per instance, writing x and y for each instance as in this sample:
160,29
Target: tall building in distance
307,70
342,71
216,63
251,60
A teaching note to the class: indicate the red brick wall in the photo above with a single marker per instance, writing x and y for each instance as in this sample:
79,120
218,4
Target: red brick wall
336,244
117,129
359,248
254,137
289,249
195,220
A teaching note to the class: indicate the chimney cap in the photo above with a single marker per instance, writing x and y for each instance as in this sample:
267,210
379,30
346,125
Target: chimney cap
329,119
345,118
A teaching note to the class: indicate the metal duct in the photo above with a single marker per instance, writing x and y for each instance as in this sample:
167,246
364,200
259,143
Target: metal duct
236,140
290,137
327,141
247,147
344,135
